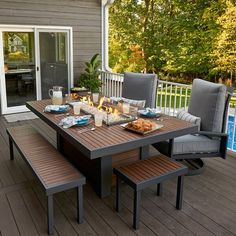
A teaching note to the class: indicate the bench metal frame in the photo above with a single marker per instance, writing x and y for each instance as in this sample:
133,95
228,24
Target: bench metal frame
52,190
137,187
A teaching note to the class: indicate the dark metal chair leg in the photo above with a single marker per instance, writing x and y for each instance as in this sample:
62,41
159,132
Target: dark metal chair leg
80,204
50,214
11,149
136,209
118,194
179,197
159,189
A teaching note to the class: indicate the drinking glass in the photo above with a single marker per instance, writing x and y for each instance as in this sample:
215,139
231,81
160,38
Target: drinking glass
98,117
95,97
76,108
126,107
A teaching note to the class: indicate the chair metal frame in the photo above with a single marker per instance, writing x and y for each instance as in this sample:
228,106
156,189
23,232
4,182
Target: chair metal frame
193,160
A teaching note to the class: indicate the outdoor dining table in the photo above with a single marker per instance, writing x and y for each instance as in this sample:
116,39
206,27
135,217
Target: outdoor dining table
92,151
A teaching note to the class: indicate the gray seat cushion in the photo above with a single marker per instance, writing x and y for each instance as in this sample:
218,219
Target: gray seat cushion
189,144
138,86
208,102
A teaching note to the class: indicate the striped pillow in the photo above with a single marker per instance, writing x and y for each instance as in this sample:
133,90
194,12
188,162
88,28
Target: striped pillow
183,115
136,103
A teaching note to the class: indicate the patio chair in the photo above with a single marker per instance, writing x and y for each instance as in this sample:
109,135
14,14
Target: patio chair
138,86
208,103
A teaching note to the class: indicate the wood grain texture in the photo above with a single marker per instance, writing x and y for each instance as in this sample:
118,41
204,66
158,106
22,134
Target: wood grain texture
206,197
111,139
149,168
49,165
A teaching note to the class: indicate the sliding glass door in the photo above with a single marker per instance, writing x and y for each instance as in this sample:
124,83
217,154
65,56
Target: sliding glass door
53,51
32,61
19,68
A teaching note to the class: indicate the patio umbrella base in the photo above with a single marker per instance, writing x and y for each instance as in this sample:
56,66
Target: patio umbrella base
196,166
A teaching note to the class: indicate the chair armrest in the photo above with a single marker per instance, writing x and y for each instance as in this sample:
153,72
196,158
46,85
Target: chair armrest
208,133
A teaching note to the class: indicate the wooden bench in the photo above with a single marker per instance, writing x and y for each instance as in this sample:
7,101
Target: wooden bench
143,173
52,170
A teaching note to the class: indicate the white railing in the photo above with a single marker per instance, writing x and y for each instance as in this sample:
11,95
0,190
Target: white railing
171,97
111,84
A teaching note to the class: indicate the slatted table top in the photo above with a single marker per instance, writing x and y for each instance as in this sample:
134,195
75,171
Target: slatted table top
108,140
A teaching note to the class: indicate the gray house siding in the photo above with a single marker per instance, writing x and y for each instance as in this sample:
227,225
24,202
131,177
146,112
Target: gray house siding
84,16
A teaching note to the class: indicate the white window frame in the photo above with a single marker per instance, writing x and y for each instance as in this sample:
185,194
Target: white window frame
35,29
105,31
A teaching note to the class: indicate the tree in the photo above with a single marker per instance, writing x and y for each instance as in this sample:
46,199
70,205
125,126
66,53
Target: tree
176,37
225,47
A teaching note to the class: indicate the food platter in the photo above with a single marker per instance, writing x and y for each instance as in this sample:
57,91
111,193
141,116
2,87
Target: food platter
154,126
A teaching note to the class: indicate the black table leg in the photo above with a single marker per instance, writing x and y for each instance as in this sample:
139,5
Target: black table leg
144,152
136,215
11,149
103,179
118,194
59,143
170,148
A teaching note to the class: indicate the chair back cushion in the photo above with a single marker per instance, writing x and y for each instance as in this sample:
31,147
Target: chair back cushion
138,86
207,101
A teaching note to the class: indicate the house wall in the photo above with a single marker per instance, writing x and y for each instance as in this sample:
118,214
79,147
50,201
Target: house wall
84,16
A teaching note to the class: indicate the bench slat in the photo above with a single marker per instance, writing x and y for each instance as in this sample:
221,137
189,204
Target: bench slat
48,164
150,168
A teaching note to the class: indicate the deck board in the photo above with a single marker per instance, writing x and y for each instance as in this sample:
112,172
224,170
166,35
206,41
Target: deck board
209,206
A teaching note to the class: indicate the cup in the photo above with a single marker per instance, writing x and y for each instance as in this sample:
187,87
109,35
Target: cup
98,117
133,111
95,97
76,108
126,107
67,98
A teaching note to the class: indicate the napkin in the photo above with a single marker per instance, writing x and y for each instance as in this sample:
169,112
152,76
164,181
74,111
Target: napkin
56,108
150,111
70,121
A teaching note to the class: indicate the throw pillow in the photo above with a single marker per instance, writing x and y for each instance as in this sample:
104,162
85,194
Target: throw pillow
136,103
183,115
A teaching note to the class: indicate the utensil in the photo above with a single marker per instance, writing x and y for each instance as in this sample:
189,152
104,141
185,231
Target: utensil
161,119
86,130
67,114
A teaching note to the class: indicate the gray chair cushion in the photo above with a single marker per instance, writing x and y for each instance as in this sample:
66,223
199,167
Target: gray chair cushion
208,102
138,86
189,144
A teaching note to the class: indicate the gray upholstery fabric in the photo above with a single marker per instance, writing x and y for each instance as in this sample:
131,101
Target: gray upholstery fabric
137,103
208,102
183,115
189,144
140,86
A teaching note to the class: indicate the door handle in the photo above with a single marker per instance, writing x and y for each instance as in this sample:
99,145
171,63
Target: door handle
37,68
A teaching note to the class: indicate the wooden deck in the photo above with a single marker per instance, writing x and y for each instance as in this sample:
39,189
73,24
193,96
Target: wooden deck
209,206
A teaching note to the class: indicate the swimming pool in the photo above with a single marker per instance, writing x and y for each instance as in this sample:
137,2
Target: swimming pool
230,133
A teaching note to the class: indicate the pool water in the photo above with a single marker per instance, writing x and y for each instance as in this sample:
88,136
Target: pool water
230,133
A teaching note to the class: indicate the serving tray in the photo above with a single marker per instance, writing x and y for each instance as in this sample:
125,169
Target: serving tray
157,126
